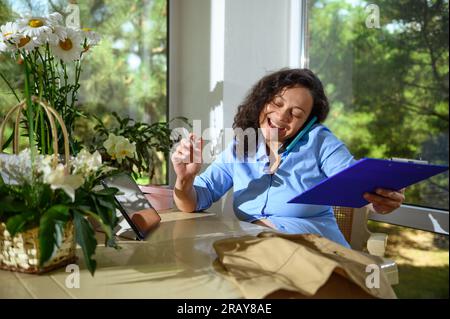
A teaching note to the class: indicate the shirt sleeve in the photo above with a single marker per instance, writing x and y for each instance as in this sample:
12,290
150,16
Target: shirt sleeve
334,155
215,181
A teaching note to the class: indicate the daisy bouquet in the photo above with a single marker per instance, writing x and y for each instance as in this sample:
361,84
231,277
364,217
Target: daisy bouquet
50,56
39,194
41,191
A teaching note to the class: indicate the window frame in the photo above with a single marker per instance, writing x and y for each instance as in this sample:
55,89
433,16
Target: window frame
408,215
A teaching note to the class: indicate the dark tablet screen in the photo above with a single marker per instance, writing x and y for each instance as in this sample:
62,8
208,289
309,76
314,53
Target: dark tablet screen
135,207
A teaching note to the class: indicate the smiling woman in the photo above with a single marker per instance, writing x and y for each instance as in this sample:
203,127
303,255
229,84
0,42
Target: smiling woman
296,94
283,115
284,107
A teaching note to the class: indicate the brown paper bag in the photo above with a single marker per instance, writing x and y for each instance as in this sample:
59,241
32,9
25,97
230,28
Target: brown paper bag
274,265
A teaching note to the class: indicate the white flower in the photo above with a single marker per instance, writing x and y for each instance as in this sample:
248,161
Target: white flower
10,31
69,49
92,38
110,144
56,32
55,18
3,46
26,43
124,149
95,161
119,147
57,179
16,169
33,26
59,34
87,163
45,165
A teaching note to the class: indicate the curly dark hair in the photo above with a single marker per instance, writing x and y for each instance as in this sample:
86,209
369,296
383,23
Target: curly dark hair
272,84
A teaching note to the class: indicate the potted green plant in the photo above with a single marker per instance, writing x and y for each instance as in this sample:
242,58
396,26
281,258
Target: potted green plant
46,203
133,146
49,190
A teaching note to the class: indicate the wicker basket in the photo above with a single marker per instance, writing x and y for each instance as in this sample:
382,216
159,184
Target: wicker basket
21,253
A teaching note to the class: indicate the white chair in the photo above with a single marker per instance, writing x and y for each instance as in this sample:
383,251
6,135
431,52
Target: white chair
353,225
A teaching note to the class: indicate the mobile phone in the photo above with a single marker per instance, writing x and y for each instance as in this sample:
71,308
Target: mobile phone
289,145
133,205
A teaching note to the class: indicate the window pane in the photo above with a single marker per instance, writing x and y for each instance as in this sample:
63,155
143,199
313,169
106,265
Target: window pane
422,261
385,69
125,73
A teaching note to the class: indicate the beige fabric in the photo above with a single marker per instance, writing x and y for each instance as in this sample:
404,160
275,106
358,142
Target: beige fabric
271,262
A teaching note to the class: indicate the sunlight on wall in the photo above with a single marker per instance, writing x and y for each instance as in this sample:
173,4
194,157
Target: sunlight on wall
217,60
294,34
216,125
217,43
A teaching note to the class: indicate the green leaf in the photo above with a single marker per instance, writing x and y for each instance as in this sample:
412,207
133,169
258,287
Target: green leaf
8,141
108,202
85,237
12,205
106,228
110,191
45,196
110,240
51,228
17,223
107,214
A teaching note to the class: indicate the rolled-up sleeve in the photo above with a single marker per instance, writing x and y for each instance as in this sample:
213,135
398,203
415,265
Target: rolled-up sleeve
215,181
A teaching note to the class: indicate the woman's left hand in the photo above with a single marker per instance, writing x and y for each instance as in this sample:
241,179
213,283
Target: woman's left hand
384,201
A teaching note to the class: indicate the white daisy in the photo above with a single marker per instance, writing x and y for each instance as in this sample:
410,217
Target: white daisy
10,31
55,18
33,26
68,49
92,38
59,33
9,34
3,46
26,43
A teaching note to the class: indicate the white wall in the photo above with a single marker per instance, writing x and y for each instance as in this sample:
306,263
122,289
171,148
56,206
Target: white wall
256,42
220,48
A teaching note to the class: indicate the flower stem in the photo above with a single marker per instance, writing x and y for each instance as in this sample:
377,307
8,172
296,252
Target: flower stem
52,72
29,112
65,87
45,147
9,85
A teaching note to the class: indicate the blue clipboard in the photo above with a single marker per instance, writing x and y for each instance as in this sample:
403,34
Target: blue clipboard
346,188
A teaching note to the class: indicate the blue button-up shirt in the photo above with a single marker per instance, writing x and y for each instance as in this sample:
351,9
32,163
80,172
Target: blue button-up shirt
258,194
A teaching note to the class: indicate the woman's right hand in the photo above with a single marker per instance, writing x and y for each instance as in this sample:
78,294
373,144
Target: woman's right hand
187,158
